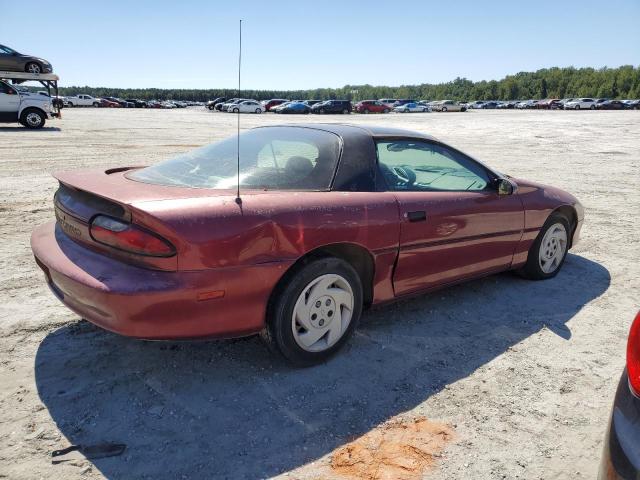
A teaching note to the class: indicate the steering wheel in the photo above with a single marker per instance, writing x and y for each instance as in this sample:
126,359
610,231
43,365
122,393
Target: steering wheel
405,174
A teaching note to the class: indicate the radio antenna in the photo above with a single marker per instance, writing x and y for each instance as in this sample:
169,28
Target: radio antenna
238,199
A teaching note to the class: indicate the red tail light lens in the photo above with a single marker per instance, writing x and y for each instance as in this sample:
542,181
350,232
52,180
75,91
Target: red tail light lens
633,356
129,238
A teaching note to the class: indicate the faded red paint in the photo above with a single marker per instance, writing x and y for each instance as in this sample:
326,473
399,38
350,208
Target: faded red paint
245,250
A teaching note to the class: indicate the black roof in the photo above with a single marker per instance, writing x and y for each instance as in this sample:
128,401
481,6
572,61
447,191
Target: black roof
346,129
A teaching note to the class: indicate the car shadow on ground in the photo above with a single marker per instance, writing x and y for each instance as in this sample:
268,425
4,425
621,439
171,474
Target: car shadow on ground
229,409
20,128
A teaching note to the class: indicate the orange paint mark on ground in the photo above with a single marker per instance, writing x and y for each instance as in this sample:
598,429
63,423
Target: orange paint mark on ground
400,449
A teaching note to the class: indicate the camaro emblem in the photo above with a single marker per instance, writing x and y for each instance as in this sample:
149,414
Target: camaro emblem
67,227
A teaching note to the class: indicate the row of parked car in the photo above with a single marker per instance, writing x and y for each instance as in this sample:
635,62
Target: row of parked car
84,100
281,105
387,105
581,103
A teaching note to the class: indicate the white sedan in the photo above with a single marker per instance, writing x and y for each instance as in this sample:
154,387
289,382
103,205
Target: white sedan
580,103
411,107
246,106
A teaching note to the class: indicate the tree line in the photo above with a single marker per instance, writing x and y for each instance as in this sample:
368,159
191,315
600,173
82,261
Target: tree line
621,82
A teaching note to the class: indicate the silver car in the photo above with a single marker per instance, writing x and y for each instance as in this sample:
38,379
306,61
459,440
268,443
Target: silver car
447,106
12,61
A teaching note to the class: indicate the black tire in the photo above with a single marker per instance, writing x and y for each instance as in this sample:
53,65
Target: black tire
278,333
236,110
345,112
33,67
258,110
321,110
532,269
70,104
577,107
386,110
592,107
33,118
444,109
96,104
365,110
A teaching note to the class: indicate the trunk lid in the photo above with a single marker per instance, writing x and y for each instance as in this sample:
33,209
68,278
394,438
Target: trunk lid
84,194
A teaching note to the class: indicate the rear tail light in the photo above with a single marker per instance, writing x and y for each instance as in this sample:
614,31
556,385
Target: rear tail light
129,238
633,356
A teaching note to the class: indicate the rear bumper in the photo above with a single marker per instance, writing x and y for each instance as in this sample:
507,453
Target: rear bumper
621,453
151,304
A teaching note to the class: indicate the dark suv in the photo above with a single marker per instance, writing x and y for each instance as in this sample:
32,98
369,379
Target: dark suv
332,106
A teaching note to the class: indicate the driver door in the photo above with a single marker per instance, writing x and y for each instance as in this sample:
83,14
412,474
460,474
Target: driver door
9,103
454,224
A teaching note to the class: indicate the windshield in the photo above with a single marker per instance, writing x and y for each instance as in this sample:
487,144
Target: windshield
271,158
7,50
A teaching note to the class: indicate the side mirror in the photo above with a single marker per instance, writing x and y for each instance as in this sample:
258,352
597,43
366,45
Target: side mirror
505,186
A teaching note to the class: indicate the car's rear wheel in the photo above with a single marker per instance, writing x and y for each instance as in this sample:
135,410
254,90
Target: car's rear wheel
33,67
33,118
592,107
549,250
577,107
386,110
96,104
444,109
315,312
235,110
365,110
70,104
345,111
258,110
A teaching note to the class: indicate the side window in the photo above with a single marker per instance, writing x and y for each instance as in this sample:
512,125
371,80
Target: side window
278,153
4,88
408,165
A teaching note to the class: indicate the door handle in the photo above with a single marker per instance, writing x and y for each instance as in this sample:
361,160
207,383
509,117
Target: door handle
417,216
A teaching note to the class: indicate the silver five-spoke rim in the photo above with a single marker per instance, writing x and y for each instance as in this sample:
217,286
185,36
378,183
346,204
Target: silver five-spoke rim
34,68
322,313
552,248
34,119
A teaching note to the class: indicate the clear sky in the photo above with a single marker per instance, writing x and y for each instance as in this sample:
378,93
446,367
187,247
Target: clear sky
298,44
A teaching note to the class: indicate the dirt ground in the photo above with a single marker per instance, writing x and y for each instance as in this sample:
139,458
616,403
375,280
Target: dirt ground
520,375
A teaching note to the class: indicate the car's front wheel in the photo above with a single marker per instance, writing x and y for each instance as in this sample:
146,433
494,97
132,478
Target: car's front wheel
33,118
315,312
258,110
235,110
33,67
549,250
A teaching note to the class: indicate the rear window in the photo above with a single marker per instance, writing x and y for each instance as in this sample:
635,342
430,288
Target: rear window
271,158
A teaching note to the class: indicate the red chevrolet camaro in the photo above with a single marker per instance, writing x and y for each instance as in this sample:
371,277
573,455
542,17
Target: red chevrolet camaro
330,219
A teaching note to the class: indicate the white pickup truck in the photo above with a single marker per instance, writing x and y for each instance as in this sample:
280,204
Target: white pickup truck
29,108
83,100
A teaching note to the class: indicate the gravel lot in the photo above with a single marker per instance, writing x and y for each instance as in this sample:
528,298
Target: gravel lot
523,373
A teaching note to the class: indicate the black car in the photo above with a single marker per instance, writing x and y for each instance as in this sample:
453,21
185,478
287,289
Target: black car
332,106
137,103
211,104
611,105
123,103
489,105
621,455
